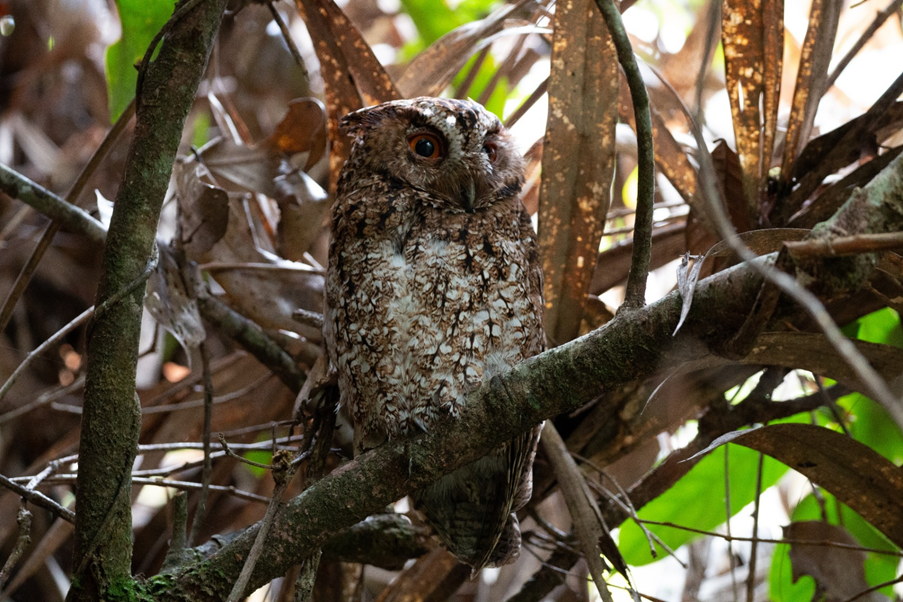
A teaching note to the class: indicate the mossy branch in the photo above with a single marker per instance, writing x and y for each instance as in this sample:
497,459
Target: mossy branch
111,416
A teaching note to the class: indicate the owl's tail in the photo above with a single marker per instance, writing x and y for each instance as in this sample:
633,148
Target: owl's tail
472,509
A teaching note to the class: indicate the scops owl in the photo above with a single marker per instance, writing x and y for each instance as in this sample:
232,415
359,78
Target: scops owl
434,286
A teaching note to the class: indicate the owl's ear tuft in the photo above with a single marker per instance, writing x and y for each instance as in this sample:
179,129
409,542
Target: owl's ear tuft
357,124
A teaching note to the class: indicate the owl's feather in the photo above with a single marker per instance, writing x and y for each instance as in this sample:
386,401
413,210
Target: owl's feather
434,286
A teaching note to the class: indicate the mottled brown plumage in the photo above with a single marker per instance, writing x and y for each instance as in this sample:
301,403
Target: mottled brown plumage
434,286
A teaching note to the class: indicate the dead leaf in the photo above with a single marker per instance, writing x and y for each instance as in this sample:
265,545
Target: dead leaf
258,284
431,71
813,352
577,162
752,36
686,284
172,305
833,196
353,76
839,573
203,210
811,77
854,473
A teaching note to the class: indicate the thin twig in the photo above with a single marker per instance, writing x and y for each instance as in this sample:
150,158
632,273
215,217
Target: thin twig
39,499
791,542
727,523
37,254
845,245
42,400
23,519
875,588
56,338
879,20
283,472
196,403
53,206
635,295
201,509
751,578
289,41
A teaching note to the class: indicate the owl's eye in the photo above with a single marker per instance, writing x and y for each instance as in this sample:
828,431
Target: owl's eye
428,146
492,151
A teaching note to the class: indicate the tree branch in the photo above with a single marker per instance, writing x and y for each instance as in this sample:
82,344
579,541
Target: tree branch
111,416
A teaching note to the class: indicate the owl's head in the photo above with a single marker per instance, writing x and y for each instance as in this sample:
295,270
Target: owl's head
454,151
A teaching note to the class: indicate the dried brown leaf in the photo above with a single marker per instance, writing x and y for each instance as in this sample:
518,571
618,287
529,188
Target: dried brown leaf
701,231
431,71
839,573
752,35
811,77
302,130
832,197
353,76
813,352
172,305
855,474
577,162
858,135
258,284
203,211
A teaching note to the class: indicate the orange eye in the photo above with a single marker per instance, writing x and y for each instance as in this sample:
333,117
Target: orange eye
492,151
428,146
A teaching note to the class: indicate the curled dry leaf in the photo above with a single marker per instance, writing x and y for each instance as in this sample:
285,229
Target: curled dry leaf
686,284
577,162
257,284
172,305
857,476
431,71
203,211
839,573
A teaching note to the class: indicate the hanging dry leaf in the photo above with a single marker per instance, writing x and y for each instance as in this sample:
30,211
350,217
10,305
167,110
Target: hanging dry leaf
811,77
839,573
577,162
172,305
750,33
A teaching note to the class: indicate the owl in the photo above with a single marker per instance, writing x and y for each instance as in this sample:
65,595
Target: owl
434,286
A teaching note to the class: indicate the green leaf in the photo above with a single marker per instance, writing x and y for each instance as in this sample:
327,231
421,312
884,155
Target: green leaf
435,19
882,326
259,456
697,501
872,425
141,20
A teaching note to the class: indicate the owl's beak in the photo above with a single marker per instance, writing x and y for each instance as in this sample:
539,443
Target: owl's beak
468,194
